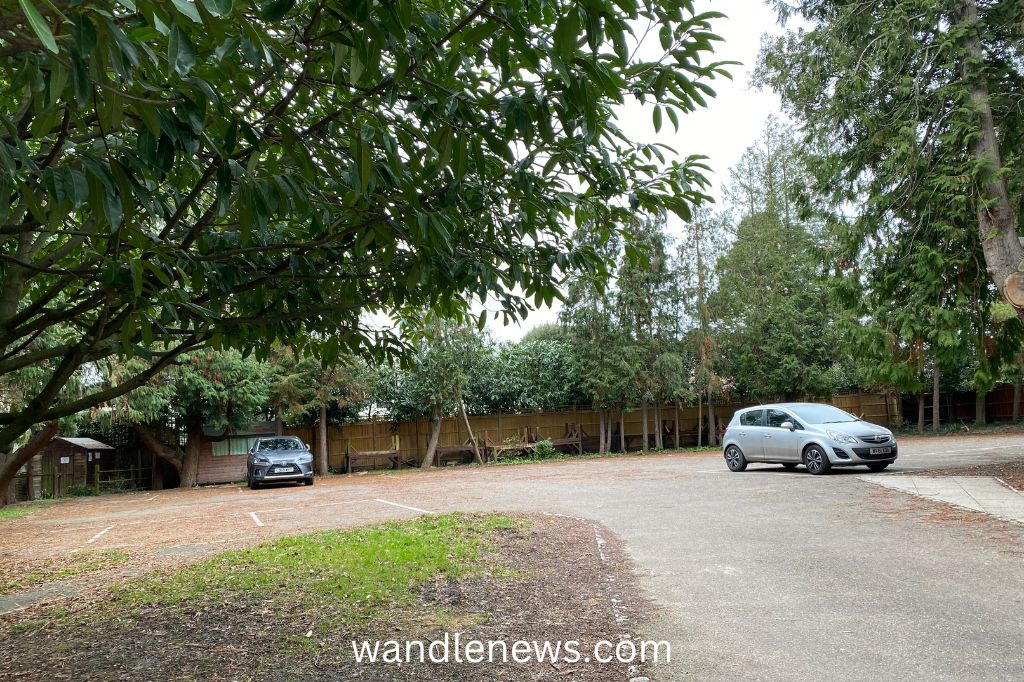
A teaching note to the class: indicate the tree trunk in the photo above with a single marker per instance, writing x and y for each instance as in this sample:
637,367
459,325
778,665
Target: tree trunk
469,430
601,421
11,462
646,429
609,424
980,418
622,430
156,472
659,435
321,442
190,461
435,433
920,413
712,427
997,225
675,425
1016,402
700,419
935,399
278,424
170,455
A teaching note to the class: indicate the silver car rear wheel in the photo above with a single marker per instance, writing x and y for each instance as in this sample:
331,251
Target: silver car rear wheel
734,459
816,460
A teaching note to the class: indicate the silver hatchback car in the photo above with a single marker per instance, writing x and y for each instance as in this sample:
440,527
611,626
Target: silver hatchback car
818,436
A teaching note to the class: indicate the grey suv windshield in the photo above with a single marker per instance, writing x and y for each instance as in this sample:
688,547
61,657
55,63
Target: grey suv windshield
823,414
278,444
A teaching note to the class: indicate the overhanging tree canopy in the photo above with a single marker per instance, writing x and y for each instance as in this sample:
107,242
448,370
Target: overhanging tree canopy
177,174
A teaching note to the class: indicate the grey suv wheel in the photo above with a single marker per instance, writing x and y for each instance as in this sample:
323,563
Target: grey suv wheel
816,460
734,459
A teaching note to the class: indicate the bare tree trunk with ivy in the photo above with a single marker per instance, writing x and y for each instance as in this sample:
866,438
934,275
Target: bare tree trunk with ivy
646,428
435,434
469,429
321,442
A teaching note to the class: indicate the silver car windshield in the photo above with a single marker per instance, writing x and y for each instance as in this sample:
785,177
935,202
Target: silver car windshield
278,444
823,414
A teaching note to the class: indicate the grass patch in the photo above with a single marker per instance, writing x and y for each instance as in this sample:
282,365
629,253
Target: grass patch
15,510
75,565
351,577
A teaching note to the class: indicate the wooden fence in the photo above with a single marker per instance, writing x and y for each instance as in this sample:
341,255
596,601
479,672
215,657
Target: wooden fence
413,436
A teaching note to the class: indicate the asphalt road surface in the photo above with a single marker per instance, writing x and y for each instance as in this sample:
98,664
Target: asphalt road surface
767,574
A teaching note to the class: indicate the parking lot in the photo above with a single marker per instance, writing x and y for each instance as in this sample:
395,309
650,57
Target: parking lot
764,574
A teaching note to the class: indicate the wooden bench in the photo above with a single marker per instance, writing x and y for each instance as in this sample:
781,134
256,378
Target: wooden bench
394,455
463,453
573,437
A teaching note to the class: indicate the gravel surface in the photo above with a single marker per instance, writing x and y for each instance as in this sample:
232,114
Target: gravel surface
550,581
766,574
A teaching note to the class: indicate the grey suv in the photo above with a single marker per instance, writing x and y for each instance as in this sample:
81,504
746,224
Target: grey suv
278,458
815,435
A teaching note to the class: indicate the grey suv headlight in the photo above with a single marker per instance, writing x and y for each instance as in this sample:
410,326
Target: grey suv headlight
261,460
305,459
841,437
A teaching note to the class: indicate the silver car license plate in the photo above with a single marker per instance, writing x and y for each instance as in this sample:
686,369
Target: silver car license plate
281,470
881,451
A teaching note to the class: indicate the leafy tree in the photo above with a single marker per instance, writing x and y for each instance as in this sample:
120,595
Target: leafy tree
181,174
219,390
704,242
774,318
301,385
435,385
524,376
775,325
914,106
646,309
607,360
549,331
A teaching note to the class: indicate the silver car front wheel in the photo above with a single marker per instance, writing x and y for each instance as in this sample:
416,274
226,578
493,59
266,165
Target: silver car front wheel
734,459
816,460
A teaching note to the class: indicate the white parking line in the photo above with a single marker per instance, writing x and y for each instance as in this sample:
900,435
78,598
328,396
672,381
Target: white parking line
255,519
395,504
329,504
96,537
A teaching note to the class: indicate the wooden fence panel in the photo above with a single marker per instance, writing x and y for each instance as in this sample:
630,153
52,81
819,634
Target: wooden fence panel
414,436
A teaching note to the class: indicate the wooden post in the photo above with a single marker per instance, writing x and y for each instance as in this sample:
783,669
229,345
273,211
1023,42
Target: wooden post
501,434
675,424
96,477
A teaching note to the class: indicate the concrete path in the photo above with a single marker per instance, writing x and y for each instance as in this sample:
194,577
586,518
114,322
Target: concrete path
980,493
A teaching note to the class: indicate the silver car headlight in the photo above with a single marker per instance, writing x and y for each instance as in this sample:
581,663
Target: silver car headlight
304,459
842,437
261,460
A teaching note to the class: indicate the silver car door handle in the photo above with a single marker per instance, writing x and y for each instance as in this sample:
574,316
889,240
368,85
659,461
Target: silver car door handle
767,435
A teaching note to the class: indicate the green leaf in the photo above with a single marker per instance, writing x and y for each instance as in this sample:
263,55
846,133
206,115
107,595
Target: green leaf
39,25
273,10
218,8
181,54
188,9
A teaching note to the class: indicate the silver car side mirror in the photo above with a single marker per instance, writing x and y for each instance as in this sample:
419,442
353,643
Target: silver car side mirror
788,425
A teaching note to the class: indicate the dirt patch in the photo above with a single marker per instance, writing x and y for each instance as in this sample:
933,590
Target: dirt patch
1010,473
546,580
1005,537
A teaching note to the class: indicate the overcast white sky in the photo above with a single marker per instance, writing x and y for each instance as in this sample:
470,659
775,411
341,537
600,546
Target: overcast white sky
731,122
